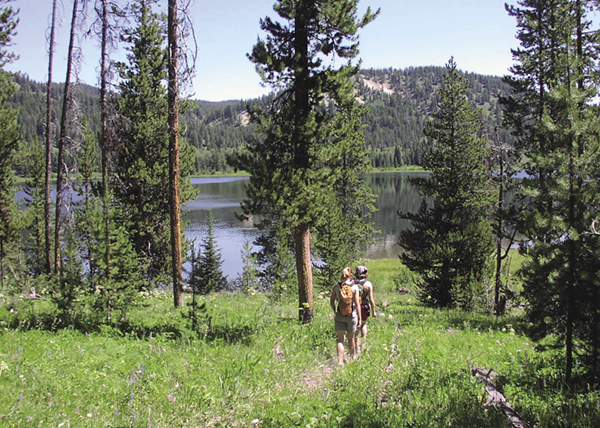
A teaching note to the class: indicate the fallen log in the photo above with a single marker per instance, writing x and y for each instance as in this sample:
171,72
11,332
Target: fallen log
496,398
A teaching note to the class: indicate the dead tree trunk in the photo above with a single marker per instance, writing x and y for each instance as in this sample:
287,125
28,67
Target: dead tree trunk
104,144
47,217
173,123
61,142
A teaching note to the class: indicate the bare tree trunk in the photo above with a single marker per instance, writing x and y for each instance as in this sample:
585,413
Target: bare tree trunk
304,271
173,122
2,262
302,160
105,134
61,142
497,282
47,219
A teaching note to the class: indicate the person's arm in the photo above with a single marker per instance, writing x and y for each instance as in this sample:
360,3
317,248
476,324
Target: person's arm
357,305
372,301
332,298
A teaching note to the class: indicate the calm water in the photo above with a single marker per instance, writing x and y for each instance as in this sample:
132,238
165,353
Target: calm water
223,196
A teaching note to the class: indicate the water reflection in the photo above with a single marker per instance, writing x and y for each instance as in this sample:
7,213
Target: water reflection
223,196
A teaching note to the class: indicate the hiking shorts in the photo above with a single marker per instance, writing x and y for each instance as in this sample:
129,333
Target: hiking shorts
348,324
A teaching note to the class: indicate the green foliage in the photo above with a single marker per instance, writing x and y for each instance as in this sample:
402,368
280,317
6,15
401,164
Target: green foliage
33,155
209,273
66,292
276,261
9,140
309,145
400,102
248,279
217,130
142,166
451,242
256,363
557,139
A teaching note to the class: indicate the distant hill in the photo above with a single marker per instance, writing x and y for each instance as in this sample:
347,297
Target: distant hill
400,102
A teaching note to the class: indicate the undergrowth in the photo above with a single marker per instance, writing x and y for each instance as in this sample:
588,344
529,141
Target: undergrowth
249,362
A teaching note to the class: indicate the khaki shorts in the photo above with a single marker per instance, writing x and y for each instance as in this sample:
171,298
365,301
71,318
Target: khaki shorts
346,323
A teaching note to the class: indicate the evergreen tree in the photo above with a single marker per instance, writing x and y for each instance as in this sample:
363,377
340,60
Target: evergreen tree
248,278
276,259
451,241
35,202
9,141
298,158
85,212
142,167
210,274
560,192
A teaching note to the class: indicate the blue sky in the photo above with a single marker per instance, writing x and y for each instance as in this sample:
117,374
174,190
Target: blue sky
477,33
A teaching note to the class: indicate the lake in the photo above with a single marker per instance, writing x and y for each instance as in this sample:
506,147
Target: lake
223,196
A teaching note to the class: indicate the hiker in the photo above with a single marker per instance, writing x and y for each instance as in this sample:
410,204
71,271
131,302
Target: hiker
367,303
347,315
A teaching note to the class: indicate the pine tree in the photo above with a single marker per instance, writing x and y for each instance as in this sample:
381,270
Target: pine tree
561,190
142,167
35,202
298,159
248,278
9,140
210,274
451,242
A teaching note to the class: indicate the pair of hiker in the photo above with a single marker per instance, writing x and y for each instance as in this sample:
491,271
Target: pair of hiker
355,304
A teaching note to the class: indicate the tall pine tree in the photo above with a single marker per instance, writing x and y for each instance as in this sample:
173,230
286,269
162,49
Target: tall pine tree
560,146
9,140
210,274
451,241
298,159
142,168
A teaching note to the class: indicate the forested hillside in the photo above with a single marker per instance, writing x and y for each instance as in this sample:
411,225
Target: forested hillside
400,102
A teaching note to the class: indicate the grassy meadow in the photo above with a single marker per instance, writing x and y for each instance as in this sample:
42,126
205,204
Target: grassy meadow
249,362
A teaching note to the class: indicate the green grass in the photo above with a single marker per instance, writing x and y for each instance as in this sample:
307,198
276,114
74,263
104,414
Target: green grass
256,363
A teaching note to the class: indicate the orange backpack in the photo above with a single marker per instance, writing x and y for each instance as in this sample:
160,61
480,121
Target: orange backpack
346,300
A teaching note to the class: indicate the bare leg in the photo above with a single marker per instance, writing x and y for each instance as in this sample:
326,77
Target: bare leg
363,331
340,347
351,347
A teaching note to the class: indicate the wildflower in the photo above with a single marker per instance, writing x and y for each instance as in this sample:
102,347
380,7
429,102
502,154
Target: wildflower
171,398
255,422
89,415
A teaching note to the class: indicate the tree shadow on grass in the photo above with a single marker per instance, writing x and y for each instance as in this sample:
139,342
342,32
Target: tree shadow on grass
242,334
487,322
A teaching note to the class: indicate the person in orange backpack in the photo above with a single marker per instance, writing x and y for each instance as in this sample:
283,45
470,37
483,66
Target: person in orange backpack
347,312
367,303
